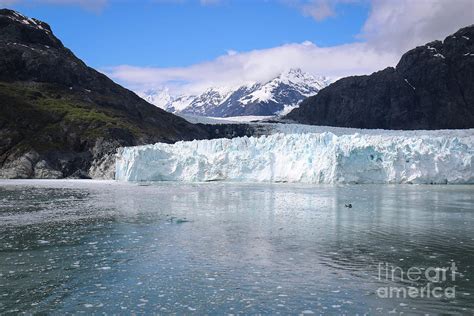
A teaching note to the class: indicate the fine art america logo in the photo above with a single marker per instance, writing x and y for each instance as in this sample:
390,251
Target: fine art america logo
432,279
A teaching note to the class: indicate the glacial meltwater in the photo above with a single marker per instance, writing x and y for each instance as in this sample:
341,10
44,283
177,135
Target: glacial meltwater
222,248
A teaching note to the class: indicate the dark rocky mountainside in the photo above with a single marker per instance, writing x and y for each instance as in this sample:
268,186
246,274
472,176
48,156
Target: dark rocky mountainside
61,118
432,87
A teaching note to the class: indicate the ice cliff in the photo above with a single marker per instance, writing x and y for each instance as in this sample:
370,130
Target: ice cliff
307,158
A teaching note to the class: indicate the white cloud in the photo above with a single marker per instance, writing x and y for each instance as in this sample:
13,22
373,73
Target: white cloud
258,65
391,28
318,9
231,52
403,24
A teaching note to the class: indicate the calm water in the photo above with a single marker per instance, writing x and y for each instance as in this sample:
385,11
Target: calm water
69,246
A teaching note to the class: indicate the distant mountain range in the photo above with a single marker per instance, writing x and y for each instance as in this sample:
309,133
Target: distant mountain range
275,97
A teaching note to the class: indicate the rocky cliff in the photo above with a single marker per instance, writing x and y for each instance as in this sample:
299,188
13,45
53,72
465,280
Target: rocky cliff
60,118
432,87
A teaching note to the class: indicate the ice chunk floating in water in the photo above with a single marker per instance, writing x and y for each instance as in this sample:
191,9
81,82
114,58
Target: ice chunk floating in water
308,158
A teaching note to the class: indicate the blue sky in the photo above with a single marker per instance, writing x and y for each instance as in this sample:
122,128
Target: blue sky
174,34
187,46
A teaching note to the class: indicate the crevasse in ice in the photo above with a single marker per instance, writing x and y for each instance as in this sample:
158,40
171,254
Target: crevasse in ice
305,158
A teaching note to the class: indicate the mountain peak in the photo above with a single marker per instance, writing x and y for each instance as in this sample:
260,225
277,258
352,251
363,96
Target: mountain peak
292,74
18,28
298,76
22,19
277,96
294,71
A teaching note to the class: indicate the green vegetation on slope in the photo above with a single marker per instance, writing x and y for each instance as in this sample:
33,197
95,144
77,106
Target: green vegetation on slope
45,117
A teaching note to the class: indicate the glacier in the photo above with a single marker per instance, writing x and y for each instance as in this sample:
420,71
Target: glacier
432,158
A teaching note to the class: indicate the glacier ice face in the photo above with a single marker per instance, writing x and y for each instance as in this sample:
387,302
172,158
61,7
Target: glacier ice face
307,158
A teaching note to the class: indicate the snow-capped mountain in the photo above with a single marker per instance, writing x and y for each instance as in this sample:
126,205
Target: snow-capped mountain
277,96
163,99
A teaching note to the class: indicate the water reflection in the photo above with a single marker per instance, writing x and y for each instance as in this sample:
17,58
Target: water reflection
227,248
